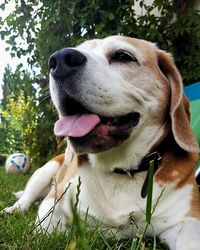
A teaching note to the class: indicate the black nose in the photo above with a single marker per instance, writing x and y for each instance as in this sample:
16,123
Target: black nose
66,61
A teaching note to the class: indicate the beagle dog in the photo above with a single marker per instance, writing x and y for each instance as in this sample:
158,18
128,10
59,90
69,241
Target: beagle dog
121,106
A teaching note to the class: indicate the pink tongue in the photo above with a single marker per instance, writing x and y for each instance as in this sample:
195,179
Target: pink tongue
75,125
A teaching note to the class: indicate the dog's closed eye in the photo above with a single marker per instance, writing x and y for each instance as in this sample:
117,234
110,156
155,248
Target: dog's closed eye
121,57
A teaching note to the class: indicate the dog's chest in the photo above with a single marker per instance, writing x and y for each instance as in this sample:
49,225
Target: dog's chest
115,200
109,197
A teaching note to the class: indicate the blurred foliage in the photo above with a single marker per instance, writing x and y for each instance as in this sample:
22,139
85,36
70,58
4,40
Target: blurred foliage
46,25
36,29
24,126
19,123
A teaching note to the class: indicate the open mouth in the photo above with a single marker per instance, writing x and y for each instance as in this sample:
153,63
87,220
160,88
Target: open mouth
81,126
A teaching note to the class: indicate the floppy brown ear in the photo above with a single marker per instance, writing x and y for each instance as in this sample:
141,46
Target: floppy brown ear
179,104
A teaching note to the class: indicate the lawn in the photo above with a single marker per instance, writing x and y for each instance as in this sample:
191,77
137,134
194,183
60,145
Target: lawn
16,231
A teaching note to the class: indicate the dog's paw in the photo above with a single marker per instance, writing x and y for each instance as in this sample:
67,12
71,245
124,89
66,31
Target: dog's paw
8,210
18,206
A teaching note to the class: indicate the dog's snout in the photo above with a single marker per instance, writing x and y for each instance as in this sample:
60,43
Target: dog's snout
66,61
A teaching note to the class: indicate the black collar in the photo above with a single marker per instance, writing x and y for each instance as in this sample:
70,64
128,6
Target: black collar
143,166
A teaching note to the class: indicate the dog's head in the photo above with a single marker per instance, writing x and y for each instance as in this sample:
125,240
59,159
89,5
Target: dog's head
115,91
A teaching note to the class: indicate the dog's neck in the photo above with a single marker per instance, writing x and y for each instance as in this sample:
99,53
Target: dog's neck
129,154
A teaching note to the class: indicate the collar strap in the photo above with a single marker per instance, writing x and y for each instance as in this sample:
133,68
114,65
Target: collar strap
197,173
143,166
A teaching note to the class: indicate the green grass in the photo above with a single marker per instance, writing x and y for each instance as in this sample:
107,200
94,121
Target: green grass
16,231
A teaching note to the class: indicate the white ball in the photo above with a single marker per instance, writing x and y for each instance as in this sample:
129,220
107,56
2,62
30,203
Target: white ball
18,163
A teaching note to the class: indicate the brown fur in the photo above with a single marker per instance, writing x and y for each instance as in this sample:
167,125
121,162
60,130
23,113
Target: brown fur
59,158
179,105
63,176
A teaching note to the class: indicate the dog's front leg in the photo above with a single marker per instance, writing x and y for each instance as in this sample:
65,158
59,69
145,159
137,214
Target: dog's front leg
37,186
183,236
50,216
55,208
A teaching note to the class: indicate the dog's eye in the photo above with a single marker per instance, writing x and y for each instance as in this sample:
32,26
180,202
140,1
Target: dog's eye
122,57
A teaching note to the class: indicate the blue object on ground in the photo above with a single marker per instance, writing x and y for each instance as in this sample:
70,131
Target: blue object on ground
195,118
193,91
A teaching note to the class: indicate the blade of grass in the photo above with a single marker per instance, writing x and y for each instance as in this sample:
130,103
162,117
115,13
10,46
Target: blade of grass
149,192
134,244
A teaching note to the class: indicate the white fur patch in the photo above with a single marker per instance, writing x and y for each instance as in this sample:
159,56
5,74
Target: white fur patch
50,217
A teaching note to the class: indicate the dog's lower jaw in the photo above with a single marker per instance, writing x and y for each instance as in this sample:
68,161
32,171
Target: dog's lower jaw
94,143
129,154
